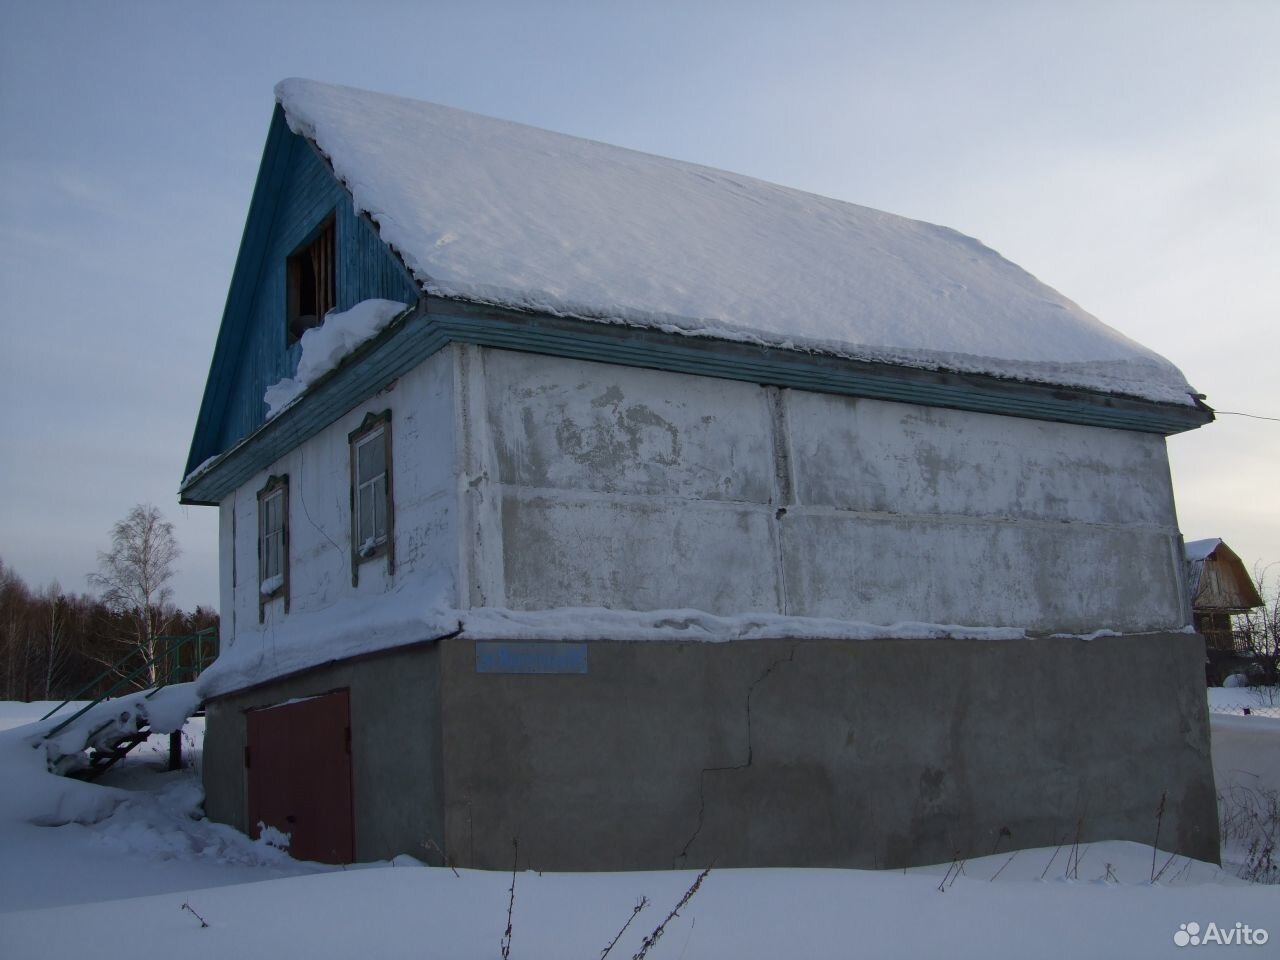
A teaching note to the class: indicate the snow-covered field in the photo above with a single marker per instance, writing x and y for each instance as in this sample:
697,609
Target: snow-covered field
146,875
1260,701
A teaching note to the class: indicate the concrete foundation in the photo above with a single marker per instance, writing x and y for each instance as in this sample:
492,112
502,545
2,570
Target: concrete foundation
880,753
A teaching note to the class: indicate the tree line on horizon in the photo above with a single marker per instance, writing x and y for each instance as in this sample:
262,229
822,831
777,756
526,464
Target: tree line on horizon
54,643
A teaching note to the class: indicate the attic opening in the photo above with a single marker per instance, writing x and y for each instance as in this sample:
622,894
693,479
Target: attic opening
312,282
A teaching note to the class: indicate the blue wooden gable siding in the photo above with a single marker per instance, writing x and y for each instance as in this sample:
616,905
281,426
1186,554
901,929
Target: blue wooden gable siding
301,192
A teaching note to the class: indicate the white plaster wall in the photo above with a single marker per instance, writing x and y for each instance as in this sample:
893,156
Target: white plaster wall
227,573
872,456
597,485
998,521
424,471
619,487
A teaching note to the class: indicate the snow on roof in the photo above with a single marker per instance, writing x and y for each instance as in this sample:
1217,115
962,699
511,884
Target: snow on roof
497,212
1196,552
1200,549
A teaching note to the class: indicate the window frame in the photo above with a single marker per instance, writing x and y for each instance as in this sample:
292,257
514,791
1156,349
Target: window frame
326,232
276,486
370,426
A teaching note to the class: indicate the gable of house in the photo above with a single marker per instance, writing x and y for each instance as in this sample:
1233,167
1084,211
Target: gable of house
1217,578
296,193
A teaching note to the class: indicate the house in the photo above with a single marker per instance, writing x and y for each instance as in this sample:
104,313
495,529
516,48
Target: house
658,516
1219,587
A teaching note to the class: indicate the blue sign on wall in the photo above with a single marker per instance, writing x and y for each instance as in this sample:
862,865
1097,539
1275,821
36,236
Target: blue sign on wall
531,657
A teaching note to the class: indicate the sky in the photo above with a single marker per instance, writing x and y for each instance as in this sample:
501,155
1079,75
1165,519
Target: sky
1123,152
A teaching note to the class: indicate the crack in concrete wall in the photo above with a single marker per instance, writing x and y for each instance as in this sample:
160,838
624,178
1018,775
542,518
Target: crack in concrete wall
702,775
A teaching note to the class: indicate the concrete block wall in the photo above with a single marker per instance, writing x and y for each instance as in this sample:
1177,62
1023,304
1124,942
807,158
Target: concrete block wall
871,754
598,485
535,482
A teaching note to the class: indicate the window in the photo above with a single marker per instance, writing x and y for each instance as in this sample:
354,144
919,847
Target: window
311,282
273,543
372,510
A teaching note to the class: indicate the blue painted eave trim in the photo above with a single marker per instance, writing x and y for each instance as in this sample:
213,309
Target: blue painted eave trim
435,322
802,370
407,342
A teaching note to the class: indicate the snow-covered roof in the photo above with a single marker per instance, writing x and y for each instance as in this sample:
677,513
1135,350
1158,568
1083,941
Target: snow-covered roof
496,212
1199,549
1196,552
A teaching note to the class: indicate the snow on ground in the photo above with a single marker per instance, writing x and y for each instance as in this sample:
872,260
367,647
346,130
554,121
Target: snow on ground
1246,765
117,886
1235,700
136,832
16,714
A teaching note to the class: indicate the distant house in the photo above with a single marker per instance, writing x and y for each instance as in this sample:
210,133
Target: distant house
1219,587
659,516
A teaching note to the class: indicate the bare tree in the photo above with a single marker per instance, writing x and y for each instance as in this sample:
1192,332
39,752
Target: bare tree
1257,631
57,653
134,577
15,632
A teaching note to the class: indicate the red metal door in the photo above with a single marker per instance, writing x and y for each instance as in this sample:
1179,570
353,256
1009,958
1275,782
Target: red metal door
299,775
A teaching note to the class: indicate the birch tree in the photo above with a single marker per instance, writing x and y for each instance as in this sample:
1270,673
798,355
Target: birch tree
133,577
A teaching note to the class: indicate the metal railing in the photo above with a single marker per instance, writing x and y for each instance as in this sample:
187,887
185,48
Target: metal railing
168,659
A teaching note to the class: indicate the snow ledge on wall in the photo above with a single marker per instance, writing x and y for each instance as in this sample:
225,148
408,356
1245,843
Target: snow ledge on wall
324,348
303,640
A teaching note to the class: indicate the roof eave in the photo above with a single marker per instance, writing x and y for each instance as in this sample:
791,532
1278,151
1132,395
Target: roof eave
438,321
